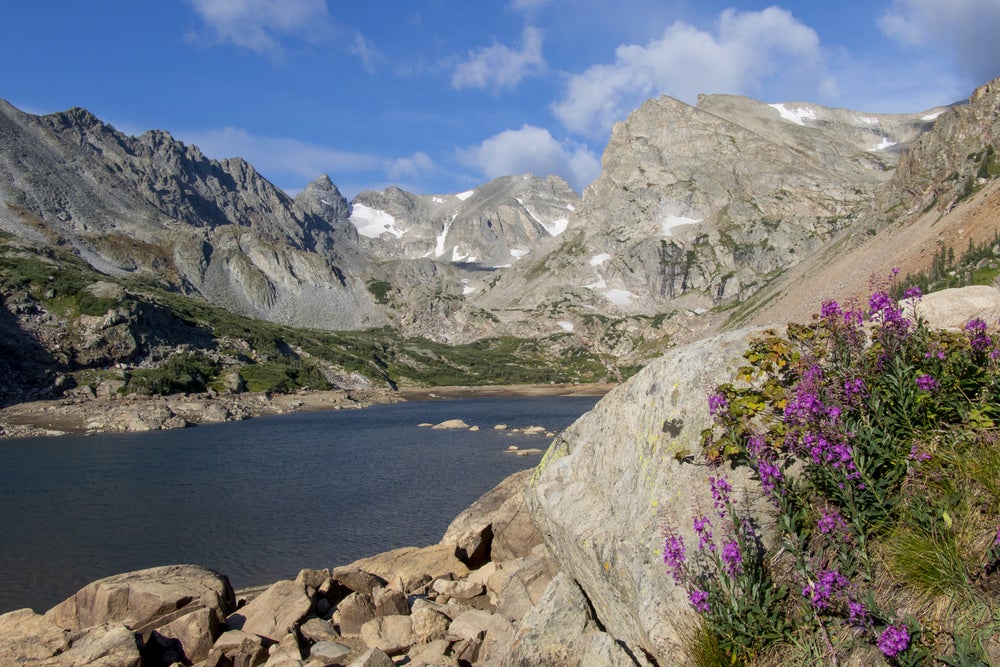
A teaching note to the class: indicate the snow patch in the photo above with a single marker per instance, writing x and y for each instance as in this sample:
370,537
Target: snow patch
466,289
932,116
437,200
598,260
457,256
554,227
373,222
619,297
571,207
669,222
439,247
868,121
465,195
325,202
600,284
518,253
797,116
885,143
566,325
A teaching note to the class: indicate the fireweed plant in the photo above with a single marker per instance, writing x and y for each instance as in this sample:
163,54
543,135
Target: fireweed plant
875,440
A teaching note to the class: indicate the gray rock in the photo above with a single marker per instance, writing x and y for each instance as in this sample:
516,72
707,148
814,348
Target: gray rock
609,483
329,651
551,632
414,565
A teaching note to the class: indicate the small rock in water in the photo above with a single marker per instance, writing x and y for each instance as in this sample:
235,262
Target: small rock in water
500,427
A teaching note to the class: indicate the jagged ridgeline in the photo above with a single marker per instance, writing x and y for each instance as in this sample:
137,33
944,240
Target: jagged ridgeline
698,209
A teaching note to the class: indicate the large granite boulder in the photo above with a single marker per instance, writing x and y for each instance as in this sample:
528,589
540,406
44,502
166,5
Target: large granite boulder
496,527
274,612
179,607
609,483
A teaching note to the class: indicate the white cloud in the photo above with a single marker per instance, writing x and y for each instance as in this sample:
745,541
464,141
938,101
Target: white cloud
259,25
747,50
366,52
534,149
499,67
271,155
417,165
964,29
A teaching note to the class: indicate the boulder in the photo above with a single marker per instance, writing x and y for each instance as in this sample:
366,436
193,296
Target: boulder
428,624
26,637
376,658
392,634
518,585
273,613
451,424
328,652
318,630
551,632
356,579
462,590
390,602
608,483
414,565
496,527
105,645
952,308
435,653
141,598
354,611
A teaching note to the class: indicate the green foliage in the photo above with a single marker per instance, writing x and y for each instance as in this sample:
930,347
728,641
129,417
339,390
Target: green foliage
891,430
380,290
180,373
283,376
948,271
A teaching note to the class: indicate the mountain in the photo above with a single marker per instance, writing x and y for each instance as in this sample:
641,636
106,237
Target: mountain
703,217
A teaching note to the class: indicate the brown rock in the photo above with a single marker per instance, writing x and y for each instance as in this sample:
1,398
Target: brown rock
434,654
390,602
413,565
375,658
318,630
392,634
355,610
26,637
356,579
462,590
429,625
139,598
272,614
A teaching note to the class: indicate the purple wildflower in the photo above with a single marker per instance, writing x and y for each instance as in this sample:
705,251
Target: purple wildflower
859,613
997,540
927,383
854,389
894,640
831,310
979,340
831,522
913,292
829,584
732,558
717,403
720,494
674,555
917,455
703,527
699,600
770,475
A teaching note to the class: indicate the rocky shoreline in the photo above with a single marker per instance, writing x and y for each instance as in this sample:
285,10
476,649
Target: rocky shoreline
488,594
88,414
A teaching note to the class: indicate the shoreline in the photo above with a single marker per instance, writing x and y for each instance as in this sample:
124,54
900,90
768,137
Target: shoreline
134,413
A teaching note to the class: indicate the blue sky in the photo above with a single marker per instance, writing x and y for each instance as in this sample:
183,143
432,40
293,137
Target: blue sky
438,96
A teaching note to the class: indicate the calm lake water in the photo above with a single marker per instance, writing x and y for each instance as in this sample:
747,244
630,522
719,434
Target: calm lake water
256,500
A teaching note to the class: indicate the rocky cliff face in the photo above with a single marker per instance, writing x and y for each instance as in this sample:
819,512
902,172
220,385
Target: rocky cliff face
697,209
